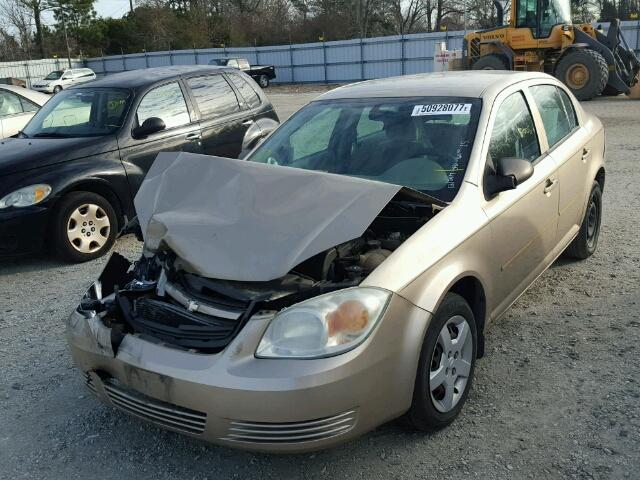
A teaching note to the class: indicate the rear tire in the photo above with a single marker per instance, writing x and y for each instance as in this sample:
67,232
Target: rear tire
586,243
490,62
84,227
263,81
430,409
584,71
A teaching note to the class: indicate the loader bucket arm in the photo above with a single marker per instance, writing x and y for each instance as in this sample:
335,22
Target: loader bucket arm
621,60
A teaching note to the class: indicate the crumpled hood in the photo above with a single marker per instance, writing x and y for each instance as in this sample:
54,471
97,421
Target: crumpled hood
245,221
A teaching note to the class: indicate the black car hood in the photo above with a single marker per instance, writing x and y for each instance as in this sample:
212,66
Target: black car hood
20,154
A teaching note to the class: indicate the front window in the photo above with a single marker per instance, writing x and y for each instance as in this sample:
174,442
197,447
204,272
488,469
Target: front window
55,75
167,103
80,113
542,15
421,143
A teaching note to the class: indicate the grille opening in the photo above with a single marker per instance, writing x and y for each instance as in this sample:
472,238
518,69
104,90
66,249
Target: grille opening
291,432
156,411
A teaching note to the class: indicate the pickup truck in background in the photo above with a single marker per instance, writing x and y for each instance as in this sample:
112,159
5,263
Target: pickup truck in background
263,74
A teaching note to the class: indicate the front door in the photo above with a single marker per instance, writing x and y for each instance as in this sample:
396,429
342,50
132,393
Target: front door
523,221
166,102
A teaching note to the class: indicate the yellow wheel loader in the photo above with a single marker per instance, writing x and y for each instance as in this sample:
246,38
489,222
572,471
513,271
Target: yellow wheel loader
541,37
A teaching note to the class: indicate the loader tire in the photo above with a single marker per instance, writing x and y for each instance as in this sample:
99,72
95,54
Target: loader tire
490,62
610,91
584,71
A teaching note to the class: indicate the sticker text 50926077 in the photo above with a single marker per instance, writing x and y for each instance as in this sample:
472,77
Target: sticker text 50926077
440,108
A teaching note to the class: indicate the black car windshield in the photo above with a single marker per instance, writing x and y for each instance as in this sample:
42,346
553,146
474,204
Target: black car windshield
54,75
80,113
421,143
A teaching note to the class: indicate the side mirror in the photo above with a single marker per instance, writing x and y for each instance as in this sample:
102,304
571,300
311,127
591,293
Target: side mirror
149,126
256,134
510,172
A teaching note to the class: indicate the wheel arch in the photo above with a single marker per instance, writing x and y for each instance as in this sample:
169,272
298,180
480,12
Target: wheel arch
600,176
471,289
102,188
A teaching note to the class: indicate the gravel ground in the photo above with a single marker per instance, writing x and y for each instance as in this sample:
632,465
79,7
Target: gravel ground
557,396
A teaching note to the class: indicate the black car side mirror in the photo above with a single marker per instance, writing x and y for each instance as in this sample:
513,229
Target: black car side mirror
510,172
149,126
256,134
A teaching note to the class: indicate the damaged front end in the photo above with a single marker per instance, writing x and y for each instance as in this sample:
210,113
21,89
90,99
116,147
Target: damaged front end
163,299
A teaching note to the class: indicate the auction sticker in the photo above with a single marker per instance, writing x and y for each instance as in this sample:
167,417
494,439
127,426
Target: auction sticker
440,108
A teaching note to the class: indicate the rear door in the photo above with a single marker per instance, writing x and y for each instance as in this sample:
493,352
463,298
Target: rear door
249,98
568,145
222,120
182,133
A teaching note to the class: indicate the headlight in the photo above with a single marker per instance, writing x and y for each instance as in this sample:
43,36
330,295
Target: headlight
26,196
324,326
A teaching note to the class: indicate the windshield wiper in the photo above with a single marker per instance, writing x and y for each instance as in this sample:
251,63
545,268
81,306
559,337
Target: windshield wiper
50,135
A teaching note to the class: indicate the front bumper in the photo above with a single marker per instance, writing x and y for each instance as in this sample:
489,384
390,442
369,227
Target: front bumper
43,89
23,230
235,399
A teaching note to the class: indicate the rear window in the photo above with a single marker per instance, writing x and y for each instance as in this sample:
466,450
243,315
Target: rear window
421,143
250,96
214,96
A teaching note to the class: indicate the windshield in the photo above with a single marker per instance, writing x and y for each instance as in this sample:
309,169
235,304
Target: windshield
420,143
220,62
80,113
54,75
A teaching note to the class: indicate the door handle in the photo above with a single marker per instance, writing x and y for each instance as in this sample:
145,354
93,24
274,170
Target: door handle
193,136
549,185
585,154
247,123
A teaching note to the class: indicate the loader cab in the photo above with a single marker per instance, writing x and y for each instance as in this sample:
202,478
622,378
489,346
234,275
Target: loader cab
541,15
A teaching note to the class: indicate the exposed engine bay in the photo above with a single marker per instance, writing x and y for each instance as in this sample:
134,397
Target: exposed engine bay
161,298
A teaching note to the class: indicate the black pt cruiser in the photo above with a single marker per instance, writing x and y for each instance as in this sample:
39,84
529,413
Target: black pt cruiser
69,178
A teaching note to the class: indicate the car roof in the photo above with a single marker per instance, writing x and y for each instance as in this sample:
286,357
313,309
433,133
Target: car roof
460,84
147,76
37,97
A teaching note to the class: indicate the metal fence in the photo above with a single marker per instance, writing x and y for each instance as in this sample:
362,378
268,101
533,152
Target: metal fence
329,62
31,70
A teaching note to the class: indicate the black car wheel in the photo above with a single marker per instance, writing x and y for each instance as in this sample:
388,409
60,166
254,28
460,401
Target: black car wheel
263,81
446,365
84,227
57,89
586,243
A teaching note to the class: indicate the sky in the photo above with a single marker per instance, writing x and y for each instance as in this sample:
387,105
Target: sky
111,8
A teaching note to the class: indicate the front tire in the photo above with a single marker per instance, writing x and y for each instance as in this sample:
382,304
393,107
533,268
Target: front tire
446,365
263,81
57,89
84,227
586,243
584,71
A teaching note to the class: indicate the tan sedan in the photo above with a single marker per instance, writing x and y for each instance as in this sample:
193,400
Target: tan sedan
346,273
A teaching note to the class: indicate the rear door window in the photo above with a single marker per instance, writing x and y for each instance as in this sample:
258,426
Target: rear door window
514,133
558,122
165,102
214,96
9,104
250,96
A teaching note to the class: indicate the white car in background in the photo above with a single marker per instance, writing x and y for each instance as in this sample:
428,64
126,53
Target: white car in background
17,106
60,79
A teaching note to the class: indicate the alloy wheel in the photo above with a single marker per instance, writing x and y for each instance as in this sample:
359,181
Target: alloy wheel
451,364
88,228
